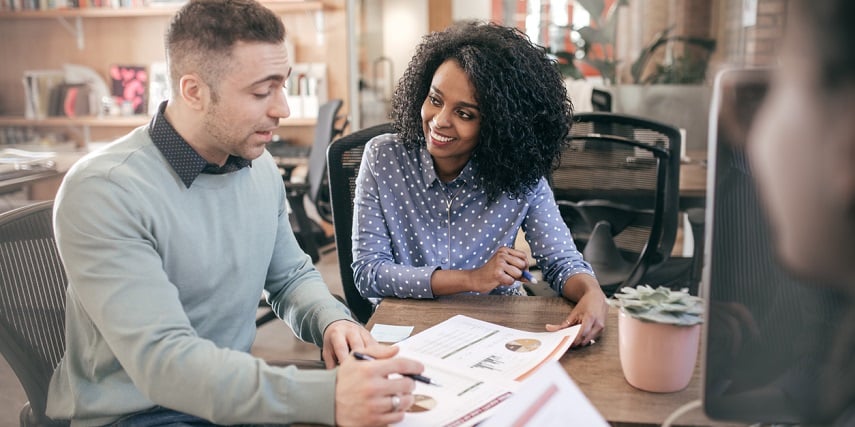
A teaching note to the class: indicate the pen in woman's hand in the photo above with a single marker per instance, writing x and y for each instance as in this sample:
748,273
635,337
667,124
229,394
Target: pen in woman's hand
527,276
416,377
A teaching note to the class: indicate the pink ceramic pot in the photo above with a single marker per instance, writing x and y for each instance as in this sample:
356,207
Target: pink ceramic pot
657,357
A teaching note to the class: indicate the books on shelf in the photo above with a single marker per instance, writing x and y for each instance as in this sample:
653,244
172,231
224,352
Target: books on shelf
69,100
38,86
29,5
307,88
74,91
479,366
34,5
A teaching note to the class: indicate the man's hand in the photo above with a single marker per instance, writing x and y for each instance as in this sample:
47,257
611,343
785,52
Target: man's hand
340,338
364,393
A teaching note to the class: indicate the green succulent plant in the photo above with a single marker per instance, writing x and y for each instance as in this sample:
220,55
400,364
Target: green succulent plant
660,305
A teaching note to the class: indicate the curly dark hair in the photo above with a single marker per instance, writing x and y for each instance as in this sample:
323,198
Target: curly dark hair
525,112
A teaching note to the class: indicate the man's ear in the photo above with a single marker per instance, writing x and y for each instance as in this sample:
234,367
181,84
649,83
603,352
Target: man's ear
195,92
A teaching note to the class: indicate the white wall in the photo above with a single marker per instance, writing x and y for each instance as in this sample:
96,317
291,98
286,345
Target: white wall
393,29
470,9
404,24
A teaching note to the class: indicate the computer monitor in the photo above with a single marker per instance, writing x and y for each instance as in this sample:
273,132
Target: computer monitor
767,334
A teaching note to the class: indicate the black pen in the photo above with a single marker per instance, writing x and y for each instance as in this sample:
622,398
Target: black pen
417,377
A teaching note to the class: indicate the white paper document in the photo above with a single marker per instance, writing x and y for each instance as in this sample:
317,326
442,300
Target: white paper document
14,159
16,156
478,364
390,333
549,398
462,399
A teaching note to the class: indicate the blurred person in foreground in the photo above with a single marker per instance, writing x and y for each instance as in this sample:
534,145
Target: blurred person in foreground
170,235
802,152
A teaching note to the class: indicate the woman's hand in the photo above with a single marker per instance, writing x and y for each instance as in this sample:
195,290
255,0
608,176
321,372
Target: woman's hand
590,310
503,269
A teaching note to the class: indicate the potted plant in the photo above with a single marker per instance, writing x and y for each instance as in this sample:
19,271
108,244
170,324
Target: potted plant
658,335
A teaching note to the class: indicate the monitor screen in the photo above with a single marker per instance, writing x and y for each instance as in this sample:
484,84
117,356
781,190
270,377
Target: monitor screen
767,334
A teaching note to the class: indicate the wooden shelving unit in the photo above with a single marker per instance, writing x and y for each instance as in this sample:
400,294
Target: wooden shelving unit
130,121
86,125
46,39
166,10
72,18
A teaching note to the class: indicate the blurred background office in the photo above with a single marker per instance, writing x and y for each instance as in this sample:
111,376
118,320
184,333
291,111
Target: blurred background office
657,58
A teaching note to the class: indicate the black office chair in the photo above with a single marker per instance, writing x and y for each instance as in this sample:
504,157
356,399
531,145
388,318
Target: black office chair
618,190
32,304
601,100
345,154
310,234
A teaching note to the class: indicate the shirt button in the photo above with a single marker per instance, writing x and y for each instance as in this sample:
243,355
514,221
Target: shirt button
445,260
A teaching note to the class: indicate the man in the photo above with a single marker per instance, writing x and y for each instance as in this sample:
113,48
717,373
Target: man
170,234
802,152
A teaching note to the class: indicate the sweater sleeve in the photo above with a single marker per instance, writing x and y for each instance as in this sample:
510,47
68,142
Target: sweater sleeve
297,292
141,342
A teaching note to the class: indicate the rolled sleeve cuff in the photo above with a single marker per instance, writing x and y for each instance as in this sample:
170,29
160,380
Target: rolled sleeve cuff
316,399
404,282
559,285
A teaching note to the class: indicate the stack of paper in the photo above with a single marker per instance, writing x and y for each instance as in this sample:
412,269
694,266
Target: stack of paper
479,365
15,159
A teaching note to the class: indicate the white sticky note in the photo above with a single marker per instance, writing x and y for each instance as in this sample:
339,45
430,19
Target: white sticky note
390,333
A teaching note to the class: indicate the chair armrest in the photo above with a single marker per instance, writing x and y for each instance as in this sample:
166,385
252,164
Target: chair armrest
296,192
287,170
296,188
697,220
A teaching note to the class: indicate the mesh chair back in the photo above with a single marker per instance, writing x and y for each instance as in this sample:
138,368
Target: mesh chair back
614,161
32,302
325,131
344,157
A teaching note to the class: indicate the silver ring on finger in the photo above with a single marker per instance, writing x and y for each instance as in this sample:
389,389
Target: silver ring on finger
396,403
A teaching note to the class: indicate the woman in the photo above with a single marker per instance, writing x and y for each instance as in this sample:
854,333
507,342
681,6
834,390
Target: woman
481,116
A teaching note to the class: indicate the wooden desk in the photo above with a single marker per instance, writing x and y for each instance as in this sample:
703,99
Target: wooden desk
596,369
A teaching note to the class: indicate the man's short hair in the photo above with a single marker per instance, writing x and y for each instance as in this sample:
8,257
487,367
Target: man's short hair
202,34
